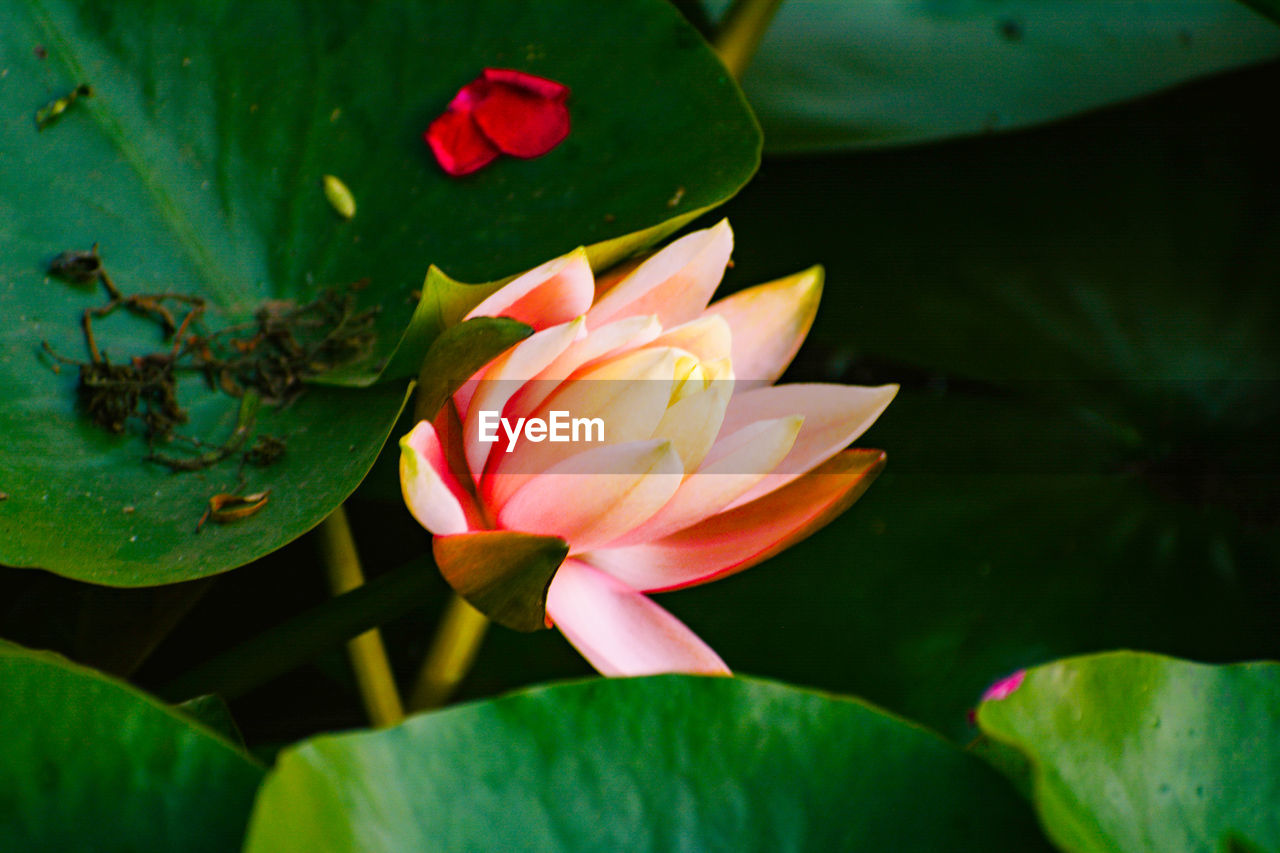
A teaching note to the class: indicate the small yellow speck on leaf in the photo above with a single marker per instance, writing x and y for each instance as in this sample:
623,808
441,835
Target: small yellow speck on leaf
339,197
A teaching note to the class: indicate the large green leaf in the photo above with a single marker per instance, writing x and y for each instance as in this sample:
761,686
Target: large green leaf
196,165
1137,752
666,763
90,764
842,73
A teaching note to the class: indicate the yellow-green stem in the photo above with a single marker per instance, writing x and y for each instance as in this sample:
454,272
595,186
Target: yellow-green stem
740,32
368,655
452,652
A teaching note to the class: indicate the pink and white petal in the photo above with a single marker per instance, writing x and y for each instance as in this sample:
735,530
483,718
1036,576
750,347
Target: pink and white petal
607,340
610,339
618,273
676,283
693,422
504,376
739,465
834,415
620,631
738,538
547,295
628,394
596,495
769,322
431,491
708,337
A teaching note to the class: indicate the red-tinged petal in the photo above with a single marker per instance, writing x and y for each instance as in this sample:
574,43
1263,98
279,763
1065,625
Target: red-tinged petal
737,466
458,144
599,343
531,83
547,295
676,283
628,394
736,539
493,387
431,491
621,632
520,123
834,415
595,496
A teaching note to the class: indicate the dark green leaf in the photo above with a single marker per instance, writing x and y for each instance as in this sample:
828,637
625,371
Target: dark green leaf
196,166
213,712
1137,752
91,764
666,763
838,74
457,354
503,574
1270,8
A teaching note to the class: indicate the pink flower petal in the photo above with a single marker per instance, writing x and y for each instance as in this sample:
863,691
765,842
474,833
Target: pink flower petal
548,295
628,393
675,284
493,387
834,415
521,123
769,323
610,339
596,495
433,494
583,354
738,465
736,539
621,632
458,144
708,337
1004,688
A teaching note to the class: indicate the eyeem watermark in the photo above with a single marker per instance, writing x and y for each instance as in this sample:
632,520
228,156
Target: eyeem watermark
558,427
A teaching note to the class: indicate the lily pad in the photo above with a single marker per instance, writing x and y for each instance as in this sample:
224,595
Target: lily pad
842,74
92,764
196,166
665,763
1136,752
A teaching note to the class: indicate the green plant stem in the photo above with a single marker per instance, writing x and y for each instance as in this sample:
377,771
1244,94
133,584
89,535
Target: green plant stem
740,32
291,644
368,655
452,652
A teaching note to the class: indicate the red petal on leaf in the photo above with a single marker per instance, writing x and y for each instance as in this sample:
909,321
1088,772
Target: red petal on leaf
459,146
520,123
534,85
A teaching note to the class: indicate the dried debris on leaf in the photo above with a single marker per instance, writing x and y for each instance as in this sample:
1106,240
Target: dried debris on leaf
226,508
267,360
51,111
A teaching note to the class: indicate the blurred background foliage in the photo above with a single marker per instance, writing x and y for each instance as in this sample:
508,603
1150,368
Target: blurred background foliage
1083,457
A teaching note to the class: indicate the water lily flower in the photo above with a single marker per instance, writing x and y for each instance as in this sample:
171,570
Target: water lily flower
503,111
707,468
